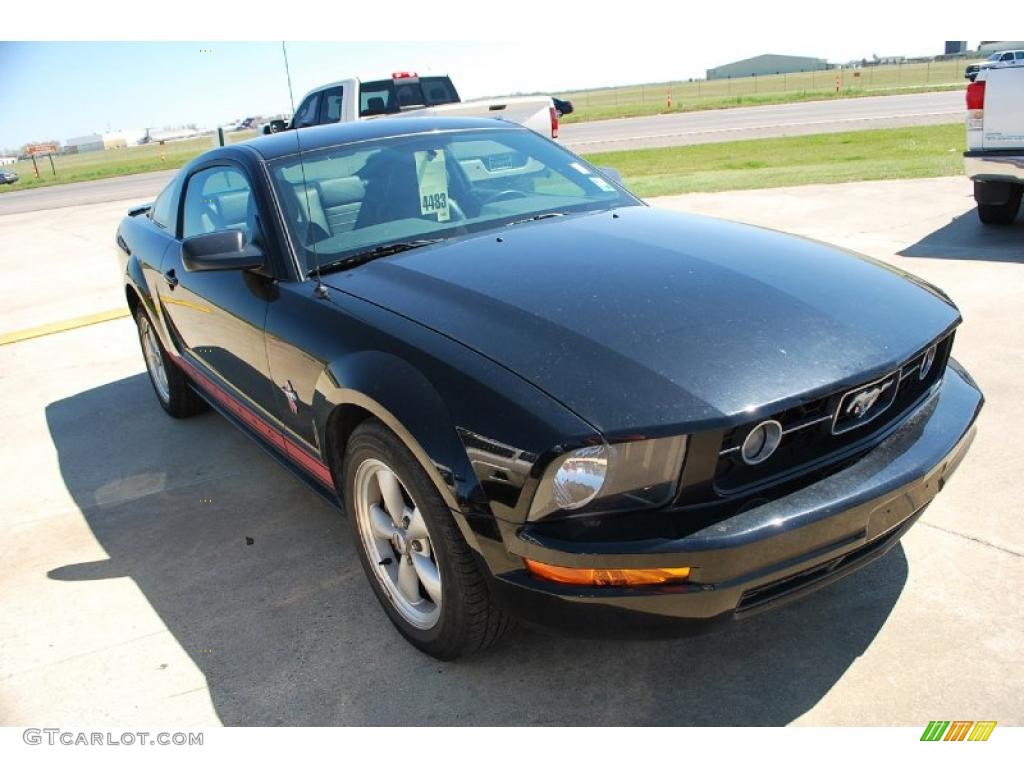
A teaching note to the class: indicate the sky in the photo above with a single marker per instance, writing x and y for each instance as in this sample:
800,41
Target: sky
58,90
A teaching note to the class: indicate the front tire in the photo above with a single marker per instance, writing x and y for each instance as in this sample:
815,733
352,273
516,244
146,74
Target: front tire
419,566
172,388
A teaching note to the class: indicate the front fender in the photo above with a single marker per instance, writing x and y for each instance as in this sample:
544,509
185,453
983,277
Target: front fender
135,279
402,397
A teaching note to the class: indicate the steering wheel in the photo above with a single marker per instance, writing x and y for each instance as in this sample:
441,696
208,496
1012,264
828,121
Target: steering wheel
507,194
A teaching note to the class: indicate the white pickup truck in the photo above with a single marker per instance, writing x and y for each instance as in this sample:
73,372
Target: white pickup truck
994,159
406,93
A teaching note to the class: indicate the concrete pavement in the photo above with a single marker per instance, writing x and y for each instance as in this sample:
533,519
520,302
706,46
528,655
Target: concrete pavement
143,186
131,597
59,266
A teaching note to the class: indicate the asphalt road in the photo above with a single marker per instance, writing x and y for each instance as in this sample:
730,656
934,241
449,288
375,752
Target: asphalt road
131,596
605,135
141,186
738,123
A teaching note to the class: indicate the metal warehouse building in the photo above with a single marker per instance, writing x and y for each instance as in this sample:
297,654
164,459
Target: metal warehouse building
991,46
767,64
94,142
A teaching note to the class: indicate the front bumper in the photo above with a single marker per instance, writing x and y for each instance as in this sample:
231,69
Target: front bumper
761,558
995,165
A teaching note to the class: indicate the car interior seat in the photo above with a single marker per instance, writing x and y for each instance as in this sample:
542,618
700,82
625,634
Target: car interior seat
303,206
341,200
391,189
375,106
232,209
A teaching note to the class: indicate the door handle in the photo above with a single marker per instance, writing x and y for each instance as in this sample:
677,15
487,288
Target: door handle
170,277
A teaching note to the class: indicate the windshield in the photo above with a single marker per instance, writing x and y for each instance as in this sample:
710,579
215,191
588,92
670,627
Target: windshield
430,185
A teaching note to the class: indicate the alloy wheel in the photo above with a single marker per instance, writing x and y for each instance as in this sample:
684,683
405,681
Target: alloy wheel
397,544
154,359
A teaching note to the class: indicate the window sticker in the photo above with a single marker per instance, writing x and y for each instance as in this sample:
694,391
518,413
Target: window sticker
580,168
432,176
601,184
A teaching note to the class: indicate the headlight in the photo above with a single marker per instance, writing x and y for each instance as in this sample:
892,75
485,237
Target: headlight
633,475
580,477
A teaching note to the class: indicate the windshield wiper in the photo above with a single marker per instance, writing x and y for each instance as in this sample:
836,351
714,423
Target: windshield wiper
377,252
538,217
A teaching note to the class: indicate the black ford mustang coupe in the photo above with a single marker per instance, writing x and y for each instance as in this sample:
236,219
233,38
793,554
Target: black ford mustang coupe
535,396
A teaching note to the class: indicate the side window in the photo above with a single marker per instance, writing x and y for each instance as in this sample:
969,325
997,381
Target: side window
161,213
1019,55
330,106
217,199
1007,57
306,114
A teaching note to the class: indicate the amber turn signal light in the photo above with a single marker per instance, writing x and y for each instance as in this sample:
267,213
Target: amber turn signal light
607,577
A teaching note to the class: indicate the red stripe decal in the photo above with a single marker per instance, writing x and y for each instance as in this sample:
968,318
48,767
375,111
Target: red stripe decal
268,432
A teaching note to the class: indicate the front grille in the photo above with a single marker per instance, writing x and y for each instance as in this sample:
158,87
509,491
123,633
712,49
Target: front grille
818,434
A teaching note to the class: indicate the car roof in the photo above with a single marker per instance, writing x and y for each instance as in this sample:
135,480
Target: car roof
286,143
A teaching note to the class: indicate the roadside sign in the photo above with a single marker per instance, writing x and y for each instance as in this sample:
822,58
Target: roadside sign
42,149
48,150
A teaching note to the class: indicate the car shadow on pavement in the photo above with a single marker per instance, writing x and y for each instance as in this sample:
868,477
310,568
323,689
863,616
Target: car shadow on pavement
258,580
965,237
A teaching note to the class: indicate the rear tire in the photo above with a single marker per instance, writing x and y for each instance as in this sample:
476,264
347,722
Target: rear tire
1001,213
170,384
448,611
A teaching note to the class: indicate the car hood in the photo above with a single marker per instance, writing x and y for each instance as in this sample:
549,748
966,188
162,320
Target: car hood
640,319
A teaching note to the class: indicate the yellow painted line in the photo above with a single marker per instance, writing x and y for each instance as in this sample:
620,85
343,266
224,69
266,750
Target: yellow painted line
63,325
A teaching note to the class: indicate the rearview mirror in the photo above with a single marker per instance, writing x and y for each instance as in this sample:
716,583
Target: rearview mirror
220,251
612,174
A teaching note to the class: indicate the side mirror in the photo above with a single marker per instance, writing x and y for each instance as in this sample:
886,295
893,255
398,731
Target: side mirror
612,174
220,251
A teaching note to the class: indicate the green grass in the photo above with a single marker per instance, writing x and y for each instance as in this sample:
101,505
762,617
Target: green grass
649,99
90,166
896,153
640,109
892,153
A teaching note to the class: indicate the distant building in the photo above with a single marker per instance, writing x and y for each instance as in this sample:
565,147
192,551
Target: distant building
955,46
95,142
992,46
8,160
767,64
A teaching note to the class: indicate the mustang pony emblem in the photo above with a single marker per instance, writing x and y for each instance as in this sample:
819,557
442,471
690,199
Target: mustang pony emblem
862,402
291,396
